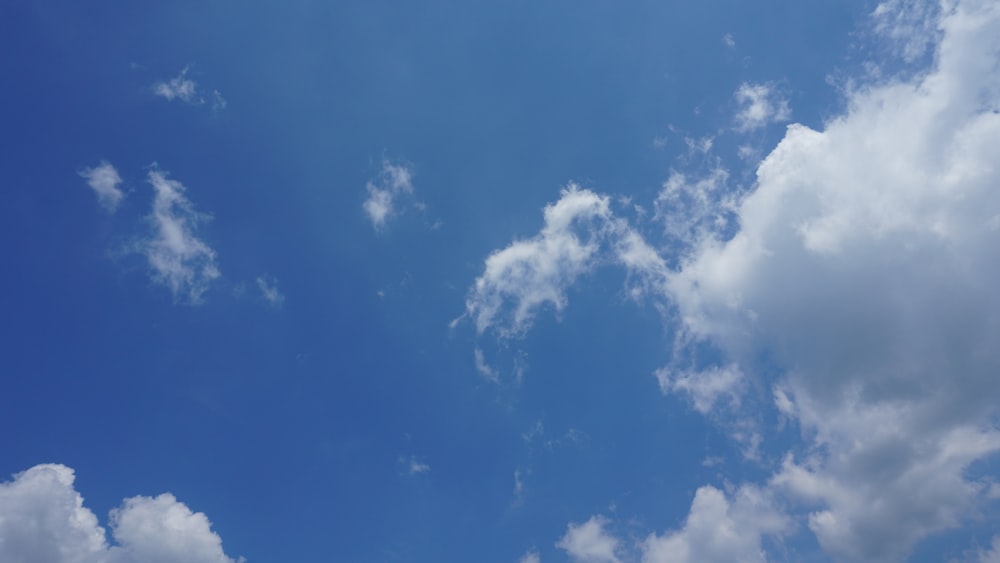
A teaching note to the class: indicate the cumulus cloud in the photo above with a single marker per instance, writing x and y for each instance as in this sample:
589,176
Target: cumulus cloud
394,181
589,543
104,180
855,280
759,105
864,265
177,257
531,557
268,287
719,529
43,520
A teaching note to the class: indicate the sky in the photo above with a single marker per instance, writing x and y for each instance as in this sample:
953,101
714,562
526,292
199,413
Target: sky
560,281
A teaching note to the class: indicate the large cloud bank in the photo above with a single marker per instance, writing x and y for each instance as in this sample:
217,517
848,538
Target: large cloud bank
864,266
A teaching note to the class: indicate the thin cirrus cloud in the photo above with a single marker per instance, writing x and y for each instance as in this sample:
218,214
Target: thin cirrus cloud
268,287
861,264
382,204
104,180
177,258
43,518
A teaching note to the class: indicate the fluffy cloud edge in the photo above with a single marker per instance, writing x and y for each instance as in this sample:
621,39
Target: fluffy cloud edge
43,518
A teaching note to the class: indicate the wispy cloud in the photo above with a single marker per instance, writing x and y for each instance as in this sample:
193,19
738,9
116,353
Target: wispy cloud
179,88
268,287
414,465
704,387
104,180
394,181
760,105
180,260
183,88
580,233
484,368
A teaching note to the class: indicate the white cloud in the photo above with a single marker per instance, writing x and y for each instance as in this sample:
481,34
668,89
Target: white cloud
414,466
692,208
720,530
909,25
855,281
535,272
484,368
179,88
104,180
183,88
268,287
580,232
519,488
729,41
759,105
589,543
218,102
531,557
43,520
865,265
705,387
163,530
178,258
394,181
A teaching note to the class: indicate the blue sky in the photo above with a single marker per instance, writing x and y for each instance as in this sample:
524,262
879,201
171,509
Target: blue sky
534,281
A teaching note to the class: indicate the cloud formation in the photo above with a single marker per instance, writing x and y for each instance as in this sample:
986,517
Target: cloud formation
177,258
43,520
759,105
861,264
186,90
104,180
589,543
268,287
394,181
720,530
580,232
